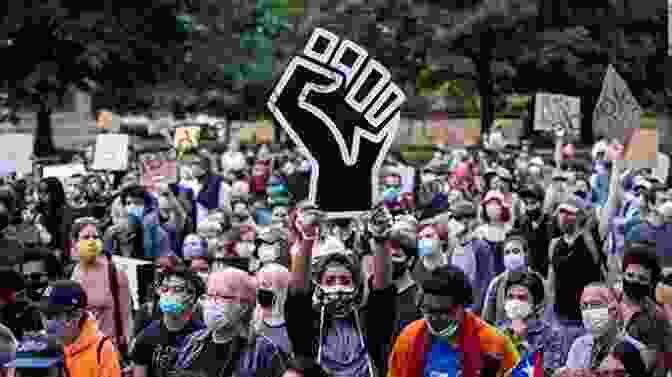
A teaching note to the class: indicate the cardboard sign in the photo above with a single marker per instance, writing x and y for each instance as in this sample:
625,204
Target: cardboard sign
557,111
130,267
263,133
157,169
63,171
111,152
187,138
17,148
107,120
617,113
343,130
642,152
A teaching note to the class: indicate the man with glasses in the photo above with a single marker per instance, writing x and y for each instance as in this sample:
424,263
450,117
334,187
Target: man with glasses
87,352
450,340
155,350
39,267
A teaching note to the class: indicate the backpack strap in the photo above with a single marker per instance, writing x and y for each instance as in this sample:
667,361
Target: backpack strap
101,342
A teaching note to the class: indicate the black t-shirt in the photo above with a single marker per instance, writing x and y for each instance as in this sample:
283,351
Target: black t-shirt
156,347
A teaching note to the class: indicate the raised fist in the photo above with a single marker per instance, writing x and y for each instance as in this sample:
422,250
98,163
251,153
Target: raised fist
340,107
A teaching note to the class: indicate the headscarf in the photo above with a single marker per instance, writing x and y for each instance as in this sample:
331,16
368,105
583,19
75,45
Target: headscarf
277,278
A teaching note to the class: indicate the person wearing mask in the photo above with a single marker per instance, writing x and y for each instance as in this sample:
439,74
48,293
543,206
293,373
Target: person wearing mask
273,283
241,214
496,214
15,311
430,241
228,309
55,214
271,247
107,287
233,160
516,259
601,318
575,261
641,318
657,228
172,217
39,267
524,306
535,227
449,340
143,218
154,350
325,320
88,352
210,191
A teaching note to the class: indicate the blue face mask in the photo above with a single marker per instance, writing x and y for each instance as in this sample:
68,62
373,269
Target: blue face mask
391,194
136,212
277,190
56,328
171,304
426,247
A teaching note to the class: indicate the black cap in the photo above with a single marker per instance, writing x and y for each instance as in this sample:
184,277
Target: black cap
63,296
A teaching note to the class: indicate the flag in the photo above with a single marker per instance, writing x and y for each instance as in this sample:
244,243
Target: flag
617,113
529,366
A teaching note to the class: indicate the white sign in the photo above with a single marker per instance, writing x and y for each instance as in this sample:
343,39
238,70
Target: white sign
555,111
18,148
130,267
111,152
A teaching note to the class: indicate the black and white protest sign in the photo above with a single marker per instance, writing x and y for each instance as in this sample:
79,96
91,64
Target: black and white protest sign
341,108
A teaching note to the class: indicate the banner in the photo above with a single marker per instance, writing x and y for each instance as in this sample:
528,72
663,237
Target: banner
17,148
157,168
63,172
617,113
555,111
111,152
130,267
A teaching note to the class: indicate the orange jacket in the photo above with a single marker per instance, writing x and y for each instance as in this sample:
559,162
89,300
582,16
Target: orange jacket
81,357
476,339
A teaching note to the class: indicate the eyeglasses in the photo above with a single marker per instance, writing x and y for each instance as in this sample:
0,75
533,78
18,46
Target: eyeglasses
218,299
35,276
611,373
592,305
162,290
513,250
641,278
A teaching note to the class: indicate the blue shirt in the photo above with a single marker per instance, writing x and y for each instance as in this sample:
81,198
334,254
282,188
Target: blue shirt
444,360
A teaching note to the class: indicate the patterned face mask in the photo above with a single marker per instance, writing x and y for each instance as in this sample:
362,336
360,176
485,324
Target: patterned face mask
338,301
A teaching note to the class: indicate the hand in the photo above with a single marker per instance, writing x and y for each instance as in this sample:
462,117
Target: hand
317,102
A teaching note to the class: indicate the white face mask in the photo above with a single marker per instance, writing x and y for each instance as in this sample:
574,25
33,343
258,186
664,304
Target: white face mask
245,249
596,321
514,262
516,309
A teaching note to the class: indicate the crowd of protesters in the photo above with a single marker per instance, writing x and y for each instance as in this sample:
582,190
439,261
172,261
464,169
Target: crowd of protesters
485,259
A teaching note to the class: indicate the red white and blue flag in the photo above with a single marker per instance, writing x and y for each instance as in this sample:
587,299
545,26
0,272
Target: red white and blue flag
532,365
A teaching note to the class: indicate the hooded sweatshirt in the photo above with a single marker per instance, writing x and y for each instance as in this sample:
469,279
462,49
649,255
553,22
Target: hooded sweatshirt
81,357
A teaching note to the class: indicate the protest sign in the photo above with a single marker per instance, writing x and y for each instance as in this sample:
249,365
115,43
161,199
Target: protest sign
157,168
642,151
557,111
130,267
63,170
662,170
343,127
111,152
108,121
187,138
7,168
617,113
17,148
263,133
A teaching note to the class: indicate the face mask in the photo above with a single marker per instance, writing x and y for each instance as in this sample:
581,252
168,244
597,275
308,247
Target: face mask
426,247
447,332
494,212
267,253
172,304
277,190
245,249
265,298
391,194
596,321
635,290
338,301
136,211
514,262
517,309
217,316
56,328
581,194
90,248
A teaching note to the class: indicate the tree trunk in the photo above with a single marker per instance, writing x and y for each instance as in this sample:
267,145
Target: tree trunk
485,80
44,142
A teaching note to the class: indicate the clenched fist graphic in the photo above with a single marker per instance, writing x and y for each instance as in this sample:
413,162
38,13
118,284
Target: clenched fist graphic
342,110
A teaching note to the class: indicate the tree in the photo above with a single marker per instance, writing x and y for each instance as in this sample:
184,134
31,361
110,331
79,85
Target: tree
58,44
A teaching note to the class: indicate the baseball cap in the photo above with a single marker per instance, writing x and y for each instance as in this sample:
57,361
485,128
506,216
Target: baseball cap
63,296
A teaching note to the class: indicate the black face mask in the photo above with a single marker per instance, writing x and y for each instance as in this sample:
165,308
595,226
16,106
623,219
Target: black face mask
265,298
636,290
35,290
581,194
398,270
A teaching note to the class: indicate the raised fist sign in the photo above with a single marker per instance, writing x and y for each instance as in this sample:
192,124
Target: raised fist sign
342,110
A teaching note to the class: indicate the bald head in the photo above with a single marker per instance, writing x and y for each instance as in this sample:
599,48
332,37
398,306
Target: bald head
233,283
